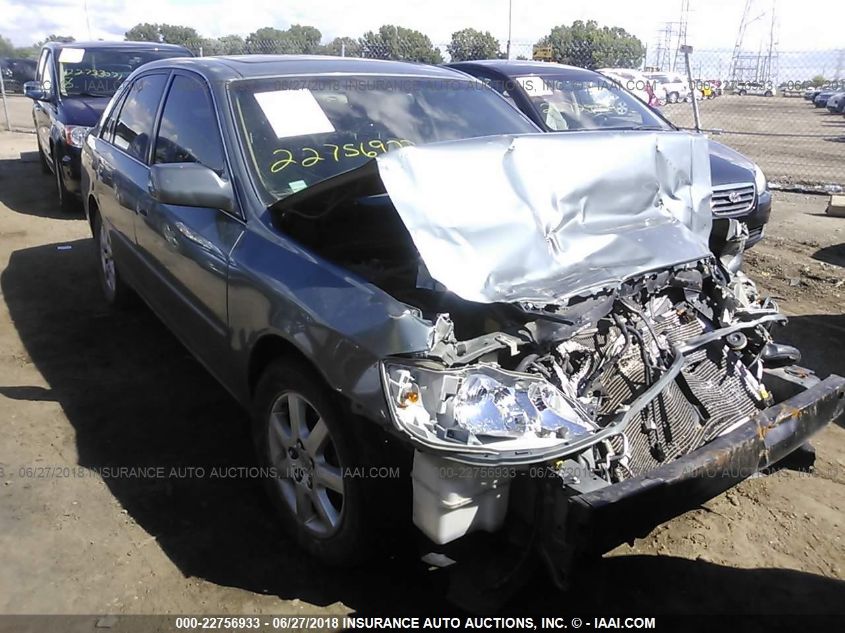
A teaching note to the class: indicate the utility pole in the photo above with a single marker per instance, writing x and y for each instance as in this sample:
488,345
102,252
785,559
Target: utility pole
686,50
510,26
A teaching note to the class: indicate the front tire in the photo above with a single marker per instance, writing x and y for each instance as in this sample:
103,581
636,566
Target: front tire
673,97
116,292
45,166
304,442
67,202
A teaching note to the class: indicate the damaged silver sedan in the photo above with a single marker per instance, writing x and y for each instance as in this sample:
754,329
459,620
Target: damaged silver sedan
388,265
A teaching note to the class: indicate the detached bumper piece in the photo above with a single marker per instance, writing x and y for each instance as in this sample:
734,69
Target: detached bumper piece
576,526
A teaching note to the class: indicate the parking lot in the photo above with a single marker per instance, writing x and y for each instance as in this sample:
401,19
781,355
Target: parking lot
792,141
86,391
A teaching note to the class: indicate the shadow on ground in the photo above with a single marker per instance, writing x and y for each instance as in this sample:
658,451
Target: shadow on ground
136,398
24,189
831,254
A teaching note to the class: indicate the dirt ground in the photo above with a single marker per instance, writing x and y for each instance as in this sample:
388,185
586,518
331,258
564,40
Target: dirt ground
804,144
83,389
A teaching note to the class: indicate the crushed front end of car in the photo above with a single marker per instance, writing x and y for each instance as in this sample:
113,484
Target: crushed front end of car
592,369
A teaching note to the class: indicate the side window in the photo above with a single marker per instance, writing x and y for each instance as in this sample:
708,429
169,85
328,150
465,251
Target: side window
188,132
135,123
47,72
107,130
41,61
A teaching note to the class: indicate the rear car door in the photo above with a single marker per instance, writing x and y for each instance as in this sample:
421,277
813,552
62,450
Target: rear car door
121,167
187,249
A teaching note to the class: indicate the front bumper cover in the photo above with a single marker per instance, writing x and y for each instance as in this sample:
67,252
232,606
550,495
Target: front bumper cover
579,525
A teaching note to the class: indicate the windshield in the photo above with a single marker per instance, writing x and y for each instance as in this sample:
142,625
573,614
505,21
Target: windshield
299,131
99,72
566,103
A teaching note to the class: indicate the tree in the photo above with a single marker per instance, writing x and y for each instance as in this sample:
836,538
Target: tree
472,44
397,42
182,35
163,34
7,49
231,45
144,32
64,39
818,80
343,46
590,46
297,40
305,38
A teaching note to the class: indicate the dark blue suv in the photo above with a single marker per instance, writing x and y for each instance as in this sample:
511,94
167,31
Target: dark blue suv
73,84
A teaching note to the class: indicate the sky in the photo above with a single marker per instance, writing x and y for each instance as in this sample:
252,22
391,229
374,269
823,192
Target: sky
802,24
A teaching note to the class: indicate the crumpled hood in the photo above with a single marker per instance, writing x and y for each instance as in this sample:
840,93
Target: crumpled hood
538,218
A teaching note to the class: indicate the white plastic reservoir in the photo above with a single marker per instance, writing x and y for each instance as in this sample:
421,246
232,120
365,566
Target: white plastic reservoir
453,499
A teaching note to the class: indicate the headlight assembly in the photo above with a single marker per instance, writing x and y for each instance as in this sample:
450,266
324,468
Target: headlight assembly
481,409
760,179
75,134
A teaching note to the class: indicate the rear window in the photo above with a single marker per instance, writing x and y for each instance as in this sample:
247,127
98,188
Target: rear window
299,131
99,72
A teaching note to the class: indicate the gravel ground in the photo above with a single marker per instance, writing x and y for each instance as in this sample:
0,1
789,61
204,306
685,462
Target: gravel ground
83,389
815,156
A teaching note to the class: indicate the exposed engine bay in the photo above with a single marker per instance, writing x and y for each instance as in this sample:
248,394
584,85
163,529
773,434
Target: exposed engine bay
612,341
646,374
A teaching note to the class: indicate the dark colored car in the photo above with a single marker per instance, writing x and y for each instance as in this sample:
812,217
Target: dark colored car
562,98
16,72
436,313
820,100
72,86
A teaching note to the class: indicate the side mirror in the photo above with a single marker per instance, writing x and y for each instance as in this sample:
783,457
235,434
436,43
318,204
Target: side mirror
34,90
191,185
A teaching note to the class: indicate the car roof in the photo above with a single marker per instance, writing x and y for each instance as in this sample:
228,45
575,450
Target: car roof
232,67
130,46
512,67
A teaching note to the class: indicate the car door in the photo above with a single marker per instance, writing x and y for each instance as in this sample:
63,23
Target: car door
121,167
43,112
186,249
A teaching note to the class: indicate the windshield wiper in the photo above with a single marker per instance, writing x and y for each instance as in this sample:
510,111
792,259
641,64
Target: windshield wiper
89,94
639,127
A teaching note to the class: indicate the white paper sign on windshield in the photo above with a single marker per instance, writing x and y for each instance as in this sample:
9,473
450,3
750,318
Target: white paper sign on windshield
71,55
535,86
293,113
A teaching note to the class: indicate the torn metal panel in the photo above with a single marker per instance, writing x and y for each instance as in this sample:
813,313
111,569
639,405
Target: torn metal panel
542,217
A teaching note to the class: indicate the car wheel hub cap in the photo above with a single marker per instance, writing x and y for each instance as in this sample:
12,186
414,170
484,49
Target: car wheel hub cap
308,472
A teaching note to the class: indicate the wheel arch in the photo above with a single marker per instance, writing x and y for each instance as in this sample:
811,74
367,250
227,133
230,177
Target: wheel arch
270,347
92,209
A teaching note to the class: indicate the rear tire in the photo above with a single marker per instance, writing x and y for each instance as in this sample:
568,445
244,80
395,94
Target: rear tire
117,292
742,93
768,93
302,438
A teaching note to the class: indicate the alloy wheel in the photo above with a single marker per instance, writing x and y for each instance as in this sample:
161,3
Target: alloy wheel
308,471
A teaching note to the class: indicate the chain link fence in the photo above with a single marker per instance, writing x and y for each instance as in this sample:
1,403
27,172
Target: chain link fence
755,103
